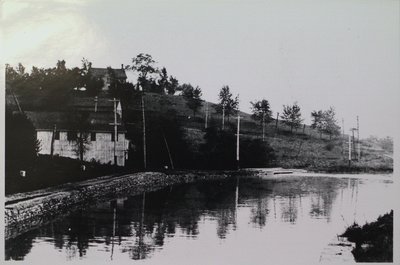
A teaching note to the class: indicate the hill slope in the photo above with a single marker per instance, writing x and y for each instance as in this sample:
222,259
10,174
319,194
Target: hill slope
304,148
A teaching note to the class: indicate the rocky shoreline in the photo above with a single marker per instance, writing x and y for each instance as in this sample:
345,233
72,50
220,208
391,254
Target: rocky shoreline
25,211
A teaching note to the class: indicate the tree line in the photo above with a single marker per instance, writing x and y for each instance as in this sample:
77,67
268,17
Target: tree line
55,83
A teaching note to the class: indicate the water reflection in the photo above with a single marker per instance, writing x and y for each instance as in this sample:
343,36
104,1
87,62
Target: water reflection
140,226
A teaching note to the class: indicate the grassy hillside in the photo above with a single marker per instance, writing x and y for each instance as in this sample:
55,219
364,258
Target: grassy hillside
304,148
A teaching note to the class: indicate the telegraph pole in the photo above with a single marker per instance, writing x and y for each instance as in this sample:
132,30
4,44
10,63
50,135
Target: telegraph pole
343,139
144,132
169,153
223,116
237,140
358,140
115,124
354,146
206,125
52,140
95,103
349,149
263,127
276,123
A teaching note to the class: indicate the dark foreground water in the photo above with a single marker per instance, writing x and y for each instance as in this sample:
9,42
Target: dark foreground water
283,220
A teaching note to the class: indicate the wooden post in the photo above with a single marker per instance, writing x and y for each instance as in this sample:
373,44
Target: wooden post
304,128
237,141
343,138
115,124
144,134
358,140
52,140
115,131
354,146
276,124
95,103
169,153
349,149
263,127
206,121
223,116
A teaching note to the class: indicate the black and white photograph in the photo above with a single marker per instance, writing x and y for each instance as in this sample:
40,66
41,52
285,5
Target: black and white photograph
199,132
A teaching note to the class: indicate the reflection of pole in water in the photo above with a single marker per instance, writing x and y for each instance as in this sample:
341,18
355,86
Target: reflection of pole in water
355,204
274,207
341,198
301,206
236,200
141,234
113,232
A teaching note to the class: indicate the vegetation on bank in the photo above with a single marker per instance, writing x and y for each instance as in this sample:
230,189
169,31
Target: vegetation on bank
182,131
50,171
374,241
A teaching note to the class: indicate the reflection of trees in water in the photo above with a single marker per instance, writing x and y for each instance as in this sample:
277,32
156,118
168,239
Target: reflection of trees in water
259,213
226,221
138,233
289,209
19,247
290,191
324,194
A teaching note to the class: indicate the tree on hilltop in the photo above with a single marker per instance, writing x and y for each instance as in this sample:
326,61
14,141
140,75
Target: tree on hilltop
261,112
291,116
227,105
192,96
325,122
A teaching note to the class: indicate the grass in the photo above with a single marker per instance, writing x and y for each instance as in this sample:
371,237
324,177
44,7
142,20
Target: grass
374,241
48,172
304,148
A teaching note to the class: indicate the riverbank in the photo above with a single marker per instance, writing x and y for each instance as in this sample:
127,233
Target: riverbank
24,211
373,241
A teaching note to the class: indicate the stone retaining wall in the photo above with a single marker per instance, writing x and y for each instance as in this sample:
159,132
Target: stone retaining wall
25,214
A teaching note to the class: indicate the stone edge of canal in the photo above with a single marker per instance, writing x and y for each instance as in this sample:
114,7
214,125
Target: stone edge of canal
26,211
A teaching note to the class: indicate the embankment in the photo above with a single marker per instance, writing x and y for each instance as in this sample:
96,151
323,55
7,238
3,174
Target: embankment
25,211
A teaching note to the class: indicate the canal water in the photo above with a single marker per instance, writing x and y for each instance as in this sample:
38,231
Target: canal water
279,220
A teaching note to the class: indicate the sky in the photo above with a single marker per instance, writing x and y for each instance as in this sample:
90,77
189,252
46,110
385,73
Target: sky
319,53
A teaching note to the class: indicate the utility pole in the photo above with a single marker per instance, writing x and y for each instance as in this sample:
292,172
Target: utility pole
52,140
263,127
349,149
115,124
95,103
276,124
223,116
206,121
354,146
144,131
237,141
343,138
351,143
17,102
358,140
169,153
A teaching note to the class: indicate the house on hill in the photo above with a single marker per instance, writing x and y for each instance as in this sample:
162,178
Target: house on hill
107,74
92,119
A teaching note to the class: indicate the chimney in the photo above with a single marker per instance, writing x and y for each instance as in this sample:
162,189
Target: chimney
122,66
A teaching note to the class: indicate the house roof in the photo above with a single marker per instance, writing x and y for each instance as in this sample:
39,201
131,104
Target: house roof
97,121
89,104
100,72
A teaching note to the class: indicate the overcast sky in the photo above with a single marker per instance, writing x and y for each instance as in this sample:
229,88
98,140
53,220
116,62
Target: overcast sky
320,53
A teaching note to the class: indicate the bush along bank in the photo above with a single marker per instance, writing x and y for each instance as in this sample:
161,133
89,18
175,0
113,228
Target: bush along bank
374,241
